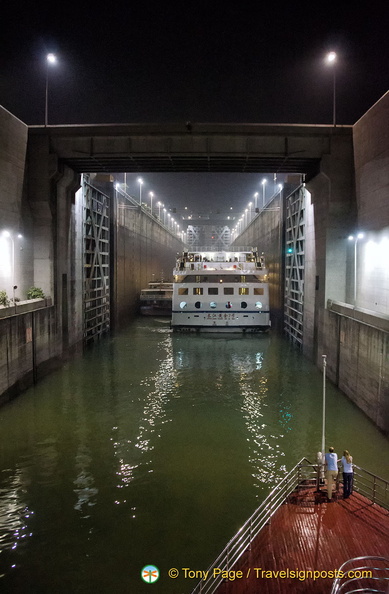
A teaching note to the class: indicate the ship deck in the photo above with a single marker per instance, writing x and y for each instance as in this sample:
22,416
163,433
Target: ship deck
307,533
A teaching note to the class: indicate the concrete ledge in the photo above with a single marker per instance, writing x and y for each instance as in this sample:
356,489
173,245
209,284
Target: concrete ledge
363,316
22,307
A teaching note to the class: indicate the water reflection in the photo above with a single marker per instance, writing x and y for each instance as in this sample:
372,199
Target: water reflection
14,513
157,389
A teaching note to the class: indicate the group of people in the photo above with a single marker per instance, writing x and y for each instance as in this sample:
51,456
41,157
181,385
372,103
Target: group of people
331,467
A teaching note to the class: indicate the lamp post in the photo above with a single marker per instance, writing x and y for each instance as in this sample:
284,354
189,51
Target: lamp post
159,204
263,182
331,60
151,194
323,445
140,182
255,200
355,238
9,236
50,59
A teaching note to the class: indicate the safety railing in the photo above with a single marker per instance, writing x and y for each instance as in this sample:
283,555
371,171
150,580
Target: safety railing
371,486
363,575
302,475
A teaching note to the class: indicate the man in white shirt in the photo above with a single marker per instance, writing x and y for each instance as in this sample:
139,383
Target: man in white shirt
331,462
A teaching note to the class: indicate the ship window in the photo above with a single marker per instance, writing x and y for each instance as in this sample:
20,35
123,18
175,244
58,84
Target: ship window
213,291
197,304
197,279
258,305
198,291
183,291
242,279
213,304
228,305
228,290
243,290
183,304
258,291
243,304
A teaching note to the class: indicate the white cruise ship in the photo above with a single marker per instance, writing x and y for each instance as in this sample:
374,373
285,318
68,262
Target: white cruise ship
224,291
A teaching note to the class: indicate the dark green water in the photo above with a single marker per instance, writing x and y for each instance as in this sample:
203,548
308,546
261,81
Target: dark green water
154,448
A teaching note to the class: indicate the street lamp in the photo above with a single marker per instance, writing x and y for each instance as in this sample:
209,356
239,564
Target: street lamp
159,204
50,59
151,194
263,182
331,60
323,432
355,238
140,182
8,235
255,199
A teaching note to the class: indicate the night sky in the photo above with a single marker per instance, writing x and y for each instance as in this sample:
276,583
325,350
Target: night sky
202,61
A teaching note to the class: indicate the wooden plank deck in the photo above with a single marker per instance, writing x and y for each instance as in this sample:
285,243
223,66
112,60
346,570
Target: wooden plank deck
307,533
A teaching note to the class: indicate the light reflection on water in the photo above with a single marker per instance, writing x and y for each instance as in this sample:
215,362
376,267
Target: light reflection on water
154,448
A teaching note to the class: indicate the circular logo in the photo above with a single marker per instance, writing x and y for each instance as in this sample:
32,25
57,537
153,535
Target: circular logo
149,574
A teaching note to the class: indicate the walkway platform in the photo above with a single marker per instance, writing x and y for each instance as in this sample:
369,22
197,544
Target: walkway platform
309,533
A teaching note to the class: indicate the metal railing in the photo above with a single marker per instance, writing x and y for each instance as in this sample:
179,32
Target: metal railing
362,574
302,475
371,486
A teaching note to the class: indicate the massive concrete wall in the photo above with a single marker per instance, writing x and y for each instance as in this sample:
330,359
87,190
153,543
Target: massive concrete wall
27,348
15,216
356,334
144,250
371,162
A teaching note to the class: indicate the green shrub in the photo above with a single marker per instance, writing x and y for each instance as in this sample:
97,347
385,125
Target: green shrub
35,293
4,298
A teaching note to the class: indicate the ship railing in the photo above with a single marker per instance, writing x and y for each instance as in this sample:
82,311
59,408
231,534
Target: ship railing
304,474
371,486
206,265
362,574
231,249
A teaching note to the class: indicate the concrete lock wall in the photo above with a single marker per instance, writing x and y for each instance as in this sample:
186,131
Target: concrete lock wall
15,216
356,334
27,351
143,250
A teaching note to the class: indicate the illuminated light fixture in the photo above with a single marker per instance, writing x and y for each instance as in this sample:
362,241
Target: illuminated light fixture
331,57
51,58
6,234
140,182
263,182
355,238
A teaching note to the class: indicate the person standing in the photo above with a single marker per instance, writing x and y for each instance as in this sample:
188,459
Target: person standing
331,463
348,474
